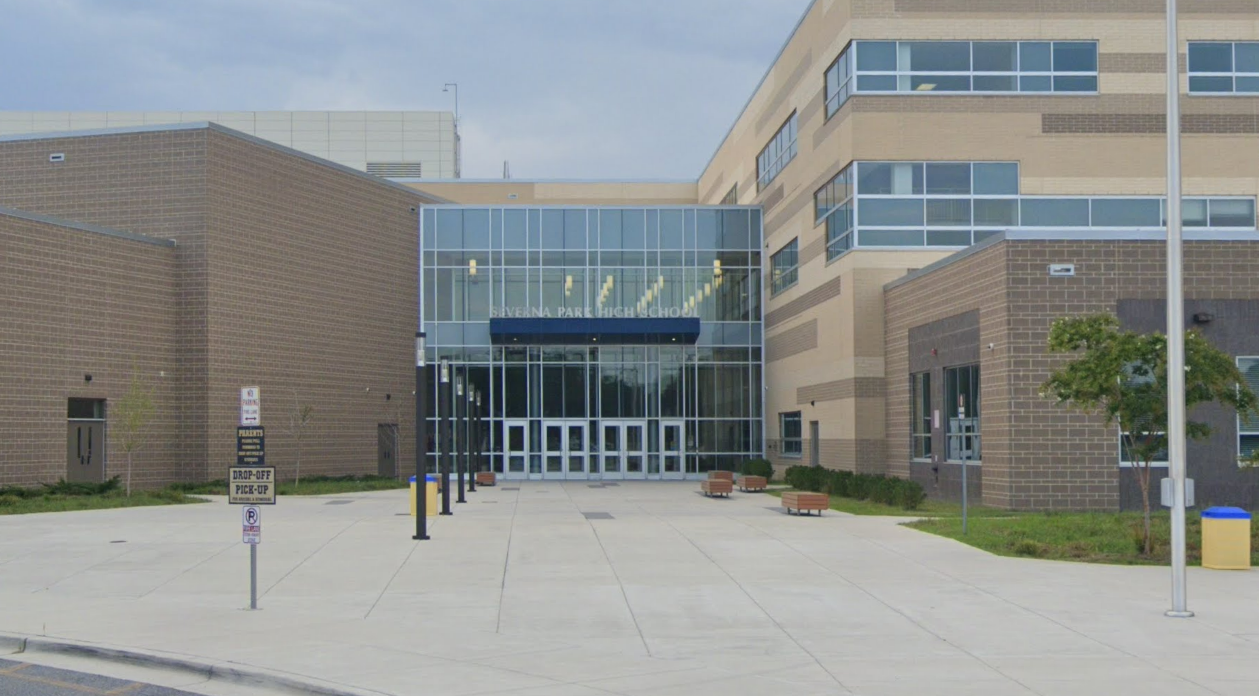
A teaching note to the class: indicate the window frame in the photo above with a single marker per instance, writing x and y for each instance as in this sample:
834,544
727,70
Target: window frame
1232,74
793,271
847,82
796,452
920,397
786,152
1017,74
1242,430
977,419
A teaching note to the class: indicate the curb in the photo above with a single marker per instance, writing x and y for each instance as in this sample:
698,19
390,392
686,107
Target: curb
213,671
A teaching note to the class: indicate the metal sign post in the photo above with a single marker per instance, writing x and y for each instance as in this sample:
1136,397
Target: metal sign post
461,432
421,441
961,417
443,391
251,533
472,434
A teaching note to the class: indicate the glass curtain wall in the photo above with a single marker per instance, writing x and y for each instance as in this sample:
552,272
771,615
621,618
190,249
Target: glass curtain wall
625,263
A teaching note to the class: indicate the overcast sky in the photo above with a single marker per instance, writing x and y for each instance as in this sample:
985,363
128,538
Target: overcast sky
561,88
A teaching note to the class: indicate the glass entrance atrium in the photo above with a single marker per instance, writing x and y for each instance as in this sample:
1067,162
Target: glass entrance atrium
608,343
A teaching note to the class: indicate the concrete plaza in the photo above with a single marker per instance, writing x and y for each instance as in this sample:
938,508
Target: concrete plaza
649,589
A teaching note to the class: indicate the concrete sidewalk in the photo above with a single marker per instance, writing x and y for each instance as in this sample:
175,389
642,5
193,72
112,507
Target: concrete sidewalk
639,588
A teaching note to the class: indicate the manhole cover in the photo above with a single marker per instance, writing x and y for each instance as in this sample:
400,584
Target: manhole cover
338,502
597,515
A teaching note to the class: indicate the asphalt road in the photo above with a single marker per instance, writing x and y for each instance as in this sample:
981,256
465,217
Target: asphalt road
23,679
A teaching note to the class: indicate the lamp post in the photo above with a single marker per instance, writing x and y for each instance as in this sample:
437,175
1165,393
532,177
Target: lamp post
444,435
1175,324
473,430
446,88
461,425
421,442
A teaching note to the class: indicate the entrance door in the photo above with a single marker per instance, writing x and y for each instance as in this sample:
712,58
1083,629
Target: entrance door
516,449
672,453
387,450
85,440
85,451
613,442
575,450
635,450
553,452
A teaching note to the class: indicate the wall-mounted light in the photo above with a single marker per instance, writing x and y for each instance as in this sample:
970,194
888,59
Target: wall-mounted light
87,378
1203,318
388,397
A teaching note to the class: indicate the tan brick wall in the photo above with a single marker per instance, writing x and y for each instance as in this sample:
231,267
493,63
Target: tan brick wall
83,303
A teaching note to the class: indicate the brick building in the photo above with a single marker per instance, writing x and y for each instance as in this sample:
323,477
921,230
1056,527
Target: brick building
201,260
976,325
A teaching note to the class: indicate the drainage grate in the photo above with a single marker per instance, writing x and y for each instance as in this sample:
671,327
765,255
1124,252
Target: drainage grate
597,515
338,502
511,489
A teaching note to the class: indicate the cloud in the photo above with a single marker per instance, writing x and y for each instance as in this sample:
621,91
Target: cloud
561,88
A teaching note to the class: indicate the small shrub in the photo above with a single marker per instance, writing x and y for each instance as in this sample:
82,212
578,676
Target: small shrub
67,488
9,500
1028,547
757,467
910,495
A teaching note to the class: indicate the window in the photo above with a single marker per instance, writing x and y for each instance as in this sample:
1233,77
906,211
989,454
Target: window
1142,435
1248,428
834,205
789,431
962,404
780,150
1224,68
839,82
920,418
732,196
783,267
951,67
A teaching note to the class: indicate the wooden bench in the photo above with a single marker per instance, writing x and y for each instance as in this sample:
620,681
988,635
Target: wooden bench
752,483
485,478
804,501
716,486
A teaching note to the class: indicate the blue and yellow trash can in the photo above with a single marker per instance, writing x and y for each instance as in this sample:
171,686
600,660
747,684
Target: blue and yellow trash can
1225,538
430,501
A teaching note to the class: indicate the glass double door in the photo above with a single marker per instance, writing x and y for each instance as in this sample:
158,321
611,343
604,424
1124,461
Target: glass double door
616,450
564,450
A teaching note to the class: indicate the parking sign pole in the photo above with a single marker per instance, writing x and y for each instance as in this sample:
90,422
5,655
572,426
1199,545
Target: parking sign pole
253,576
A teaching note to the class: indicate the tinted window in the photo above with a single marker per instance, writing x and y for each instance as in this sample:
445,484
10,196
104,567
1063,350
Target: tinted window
996,179
890,238
1127,212
996,212
948,178
995,83
948,211
876,83
1035,57
1073,56
876,55
1210,84
939,83
995,56
1247,57
1036,83
889,212
898,178
935,56
1211,57
1074,84
1232,213
1067,212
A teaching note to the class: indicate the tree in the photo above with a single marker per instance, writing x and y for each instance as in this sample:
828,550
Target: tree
1122,376
299,420
135,411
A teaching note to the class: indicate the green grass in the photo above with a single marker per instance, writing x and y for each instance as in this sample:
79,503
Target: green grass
11,504
930,508
1078,536
314,485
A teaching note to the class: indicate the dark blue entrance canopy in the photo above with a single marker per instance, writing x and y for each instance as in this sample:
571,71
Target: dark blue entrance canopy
543,331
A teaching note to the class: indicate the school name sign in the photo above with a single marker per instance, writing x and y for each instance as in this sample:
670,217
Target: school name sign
588,313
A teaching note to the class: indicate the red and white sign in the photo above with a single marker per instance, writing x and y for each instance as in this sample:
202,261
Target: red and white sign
250,406
251,525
